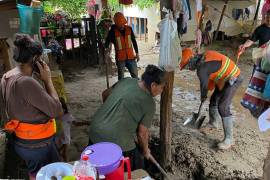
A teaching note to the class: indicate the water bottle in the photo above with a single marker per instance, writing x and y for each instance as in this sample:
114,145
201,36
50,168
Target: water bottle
83,170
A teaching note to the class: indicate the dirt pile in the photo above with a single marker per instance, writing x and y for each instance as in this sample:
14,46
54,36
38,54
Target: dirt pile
194,152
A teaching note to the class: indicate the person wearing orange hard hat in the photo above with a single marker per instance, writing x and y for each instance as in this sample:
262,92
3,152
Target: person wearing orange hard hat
123,38
219,73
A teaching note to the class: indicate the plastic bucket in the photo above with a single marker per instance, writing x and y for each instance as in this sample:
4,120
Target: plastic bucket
29,19
119,173
105,157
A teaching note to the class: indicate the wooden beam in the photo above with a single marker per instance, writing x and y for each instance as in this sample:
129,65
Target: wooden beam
135,26
220,20
145,29
140,28
104,3
166,107
256,13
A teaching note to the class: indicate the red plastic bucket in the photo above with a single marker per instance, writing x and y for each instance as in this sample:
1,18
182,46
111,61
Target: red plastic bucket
118,174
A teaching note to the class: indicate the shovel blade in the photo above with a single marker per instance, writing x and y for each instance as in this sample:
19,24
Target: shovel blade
191,121
199,122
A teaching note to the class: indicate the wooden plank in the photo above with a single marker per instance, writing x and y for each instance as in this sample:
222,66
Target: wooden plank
5,55
256,13
140,28
11,4
104,3
220,20
72,44
135,26
145,28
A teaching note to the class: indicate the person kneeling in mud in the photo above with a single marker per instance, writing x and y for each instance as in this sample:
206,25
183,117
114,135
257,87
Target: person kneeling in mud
219,73
127,113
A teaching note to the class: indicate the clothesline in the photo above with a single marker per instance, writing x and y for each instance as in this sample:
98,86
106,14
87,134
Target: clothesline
226,15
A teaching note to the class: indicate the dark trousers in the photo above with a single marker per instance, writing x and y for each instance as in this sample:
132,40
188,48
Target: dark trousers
131,66
136,158
37,157
223,98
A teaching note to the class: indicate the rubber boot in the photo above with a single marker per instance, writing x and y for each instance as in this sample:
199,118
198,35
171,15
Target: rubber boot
213,117
228,133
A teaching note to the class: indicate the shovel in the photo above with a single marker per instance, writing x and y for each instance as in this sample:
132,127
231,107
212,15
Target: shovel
153,160
106,56
195,121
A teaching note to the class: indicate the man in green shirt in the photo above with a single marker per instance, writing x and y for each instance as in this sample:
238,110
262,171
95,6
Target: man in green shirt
127,114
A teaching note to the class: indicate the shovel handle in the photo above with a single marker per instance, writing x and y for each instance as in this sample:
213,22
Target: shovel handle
200,108
153,160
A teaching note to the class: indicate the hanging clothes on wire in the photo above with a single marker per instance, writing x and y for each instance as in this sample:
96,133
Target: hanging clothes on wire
186,11
198,11
206,38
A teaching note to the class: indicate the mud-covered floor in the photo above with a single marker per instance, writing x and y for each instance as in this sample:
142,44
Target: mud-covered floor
194,153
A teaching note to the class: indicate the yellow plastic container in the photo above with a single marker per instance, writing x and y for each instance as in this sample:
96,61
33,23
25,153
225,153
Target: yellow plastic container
59,85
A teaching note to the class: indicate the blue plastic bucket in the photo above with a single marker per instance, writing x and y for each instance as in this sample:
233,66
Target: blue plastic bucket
29,19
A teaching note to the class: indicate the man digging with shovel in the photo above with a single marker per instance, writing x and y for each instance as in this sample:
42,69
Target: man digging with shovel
219,73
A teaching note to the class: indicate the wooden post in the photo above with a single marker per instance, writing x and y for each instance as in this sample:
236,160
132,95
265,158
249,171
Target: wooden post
166,108
131,21
140,28
256,13
104,3
220,20
145,29
135,26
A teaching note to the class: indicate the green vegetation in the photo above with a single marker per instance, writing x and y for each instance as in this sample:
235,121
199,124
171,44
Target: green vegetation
75,8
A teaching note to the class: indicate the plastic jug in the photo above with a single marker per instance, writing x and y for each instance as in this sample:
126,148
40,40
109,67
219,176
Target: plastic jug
104,156
83,170
118,174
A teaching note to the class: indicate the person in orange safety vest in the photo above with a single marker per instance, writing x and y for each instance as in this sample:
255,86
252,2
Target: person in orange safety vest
219,73
27,109
123,38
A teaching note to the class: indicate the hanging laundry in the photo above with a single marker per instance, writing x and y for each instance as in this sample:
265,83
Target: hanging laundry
186,13
198,11
177,8
266,7
189,10
237,13
206,38
247,13
181,25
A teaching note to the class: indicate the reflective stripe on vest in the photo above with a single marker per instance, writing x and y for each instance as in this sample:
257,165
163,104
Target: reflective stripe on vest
31,131
124,48
119,44
221,74
232,74
223,70
227,70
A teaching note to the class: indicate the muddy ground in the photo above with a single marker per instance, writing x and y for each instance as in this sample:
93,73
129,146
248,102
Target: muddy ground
194,152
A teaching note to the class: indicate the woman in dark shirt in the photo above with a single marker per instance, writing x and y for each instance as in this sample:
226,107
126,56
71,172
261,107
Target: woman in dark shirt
28,104
261,34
